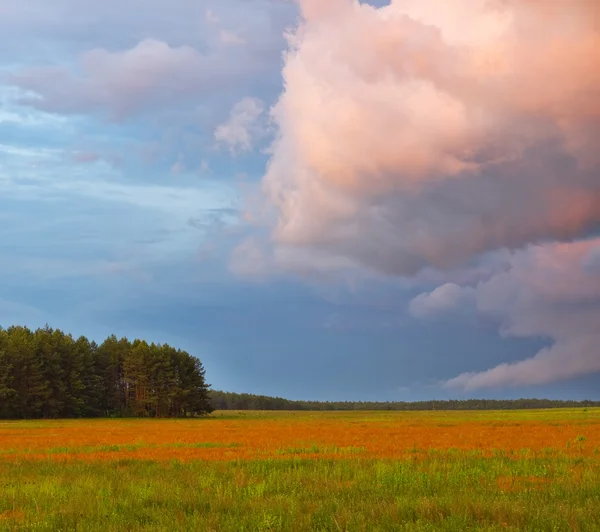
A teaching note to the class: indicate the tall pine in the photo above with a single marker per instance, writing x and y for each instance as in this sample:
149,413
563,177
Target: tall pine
47,374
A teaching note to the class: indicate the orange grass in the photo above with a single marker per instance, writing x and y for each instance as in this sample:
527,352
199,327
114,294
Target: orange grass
314,435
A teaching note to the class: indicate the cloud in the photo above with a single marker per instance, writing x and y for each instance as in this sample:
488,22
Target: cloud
177,202
211,17
407,140
230,37
178,168
562,361
548,292
591,263
249,260
167,73
124,82
253,259
445,298
244,127
76,24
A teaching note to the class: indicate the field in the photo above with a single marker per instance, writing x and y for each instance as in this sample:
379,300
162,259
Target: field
294,471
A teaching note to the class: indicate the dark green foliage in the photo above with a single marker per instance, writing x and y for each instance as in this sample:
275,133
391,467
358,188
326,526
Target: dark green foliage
244,401
48,374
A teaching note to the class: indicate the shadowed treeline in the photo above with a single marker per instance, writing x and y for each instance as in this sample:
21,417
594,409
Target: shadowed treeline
244,401
48,374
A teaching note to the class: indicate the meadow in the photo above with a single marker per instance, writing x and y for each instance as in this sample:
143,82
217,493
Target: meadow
294,471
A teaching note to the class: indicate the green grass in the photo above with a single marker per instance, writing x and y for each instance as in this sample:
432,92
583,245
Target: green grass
438,417
542,414
115,448
302,488
441,492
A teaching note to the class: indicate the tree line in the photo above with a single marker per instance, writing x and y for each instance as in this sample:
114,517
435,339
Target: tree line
244,401
48,374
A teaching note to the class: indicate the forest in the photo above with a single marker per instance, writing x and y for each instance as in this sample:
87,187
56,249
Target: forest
48,374
244,401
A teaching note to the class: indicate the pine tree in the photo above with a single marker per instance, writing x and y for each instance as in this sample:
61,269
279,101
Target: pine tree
91,379
136,379
48,374
29,381
50,350
7,391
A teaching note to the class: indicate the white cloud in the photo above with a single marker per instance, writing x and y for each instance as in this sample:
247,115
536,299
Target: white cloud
245,126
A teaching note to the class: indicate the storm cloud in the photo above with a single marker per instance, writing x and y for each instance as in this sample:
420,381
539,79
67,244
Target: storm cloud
408,140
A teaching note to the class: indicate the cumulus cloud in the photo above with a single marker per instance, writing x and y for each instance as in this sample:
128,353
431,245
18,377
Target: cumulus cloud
245,125
549,292
411,144
408,139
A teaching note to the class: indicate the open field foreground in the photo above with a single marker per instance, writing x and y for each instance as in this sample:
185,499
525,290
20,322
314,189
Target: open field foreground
519,470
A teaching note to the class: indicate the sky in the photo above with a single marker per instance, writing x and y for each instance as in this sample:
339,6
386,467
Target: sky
320,199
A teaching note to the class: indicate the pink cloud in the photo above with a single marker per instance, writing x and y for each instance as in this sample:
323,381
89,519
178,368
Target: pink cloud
422,136
549,291
409,139
125,82
562,361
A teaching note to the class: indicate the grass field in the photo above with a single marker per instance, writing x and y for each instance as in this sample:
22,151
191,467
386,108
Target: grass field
246,471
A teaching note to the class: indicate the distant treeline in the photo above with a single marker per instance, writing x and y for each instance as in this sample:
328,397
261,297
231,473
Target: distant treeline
48,374
243,401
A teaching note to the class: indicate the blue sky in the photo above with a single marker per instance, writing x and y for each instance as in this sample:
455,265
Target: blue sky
294,212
